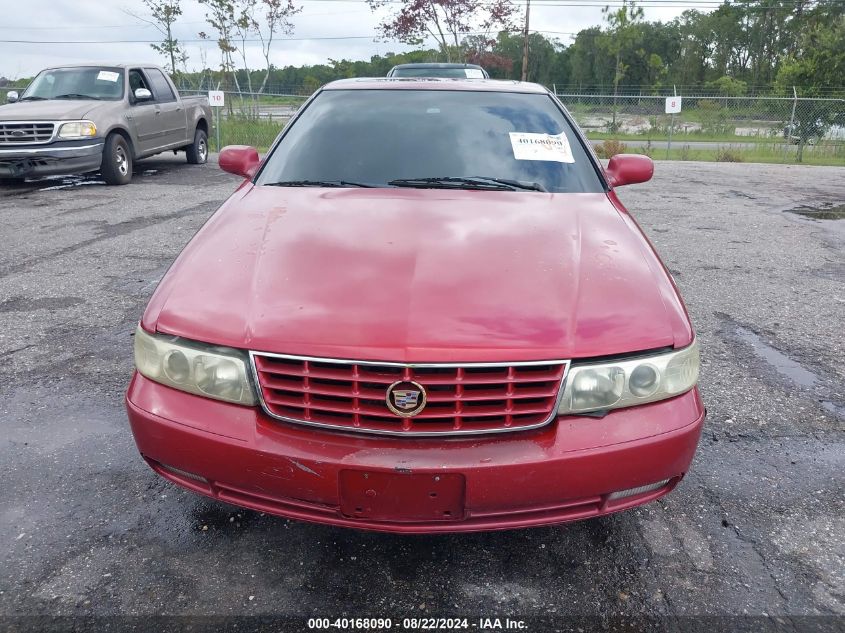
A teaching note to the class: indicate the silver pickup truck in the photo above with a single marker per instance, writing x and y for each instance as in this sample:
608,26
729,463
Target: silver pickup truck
76,119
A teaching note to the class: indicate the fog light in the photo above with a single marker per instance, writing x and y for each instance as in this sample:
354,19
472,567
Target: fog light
631,492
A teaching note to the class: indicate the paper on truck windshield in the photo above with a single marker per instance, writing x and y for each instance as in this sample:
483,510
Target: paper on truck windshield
474,73
107,75
551,147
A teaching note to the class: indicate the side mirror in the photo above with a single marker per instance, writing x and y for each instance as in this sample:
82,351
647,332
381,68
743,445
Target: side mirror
241,160
11,96
629,169
142,94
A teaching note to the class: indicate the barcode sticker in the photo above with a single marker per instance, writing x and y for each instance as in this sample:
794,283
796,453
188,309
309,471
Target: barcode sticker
551,147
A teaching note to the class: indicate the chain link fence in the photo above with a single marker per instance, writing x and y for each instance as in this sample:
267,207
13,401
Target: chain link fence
751,129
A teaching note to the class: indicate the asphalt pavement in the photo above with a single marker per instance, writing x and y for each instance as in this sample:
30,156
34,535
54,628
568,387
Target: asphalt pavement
755,529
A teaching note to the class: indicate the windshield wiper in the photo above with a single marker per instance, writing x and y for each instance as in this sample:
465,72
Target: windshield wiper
33,99
469,182
320,183
76,96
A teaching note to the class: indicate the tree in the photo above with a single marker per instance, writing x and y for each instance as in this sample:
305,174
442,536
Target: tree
221,17
163,15
818,63
447,21
619,24
730,87
277,15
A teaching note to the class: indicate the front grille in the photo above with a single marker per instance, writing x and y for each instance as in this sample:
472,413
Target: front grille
26,132
465,398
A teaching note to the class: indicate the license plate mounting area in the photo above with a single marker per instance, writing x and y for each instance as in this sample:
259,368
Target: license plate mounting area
402,497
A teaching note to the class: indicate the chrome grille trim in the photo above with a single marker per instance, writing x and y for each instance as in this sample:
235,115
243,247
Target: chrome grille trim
565,364
35,132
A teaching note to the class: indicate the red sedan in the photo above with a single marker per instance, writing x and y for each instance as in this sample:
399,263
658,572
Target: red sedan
425,311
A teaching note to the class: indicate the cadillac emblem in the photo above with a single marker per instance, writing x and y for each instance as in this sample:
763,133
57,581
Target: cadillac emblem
405,398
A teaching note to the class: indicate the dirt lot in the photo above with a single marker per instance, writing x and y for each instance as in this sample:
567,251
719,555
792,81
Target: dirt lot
755,529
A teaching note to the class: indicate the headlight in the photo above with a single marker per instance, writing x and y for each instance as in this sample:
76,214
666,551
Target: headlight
597,387
78,129
214,372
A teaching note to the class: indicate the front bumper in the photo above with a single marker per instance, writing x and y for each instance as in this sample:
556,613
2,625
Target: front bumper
60,157
562,472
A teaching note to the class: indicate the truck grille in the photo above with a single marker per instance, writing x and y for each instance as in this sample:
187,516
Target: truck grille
460,398
26,132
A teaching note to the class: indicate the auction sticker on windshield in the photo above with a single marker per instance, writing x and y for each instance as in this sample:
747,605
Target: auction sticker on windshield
529,146
474,73
107,75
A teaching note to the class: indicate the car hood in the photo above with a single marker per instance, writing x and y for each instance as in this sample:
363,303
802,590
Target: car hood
412,275
50,110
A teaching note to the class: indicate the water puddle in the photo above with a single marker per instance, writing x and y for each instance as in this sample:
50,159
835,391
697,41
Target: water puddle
70,182
780,361
788,368
826,211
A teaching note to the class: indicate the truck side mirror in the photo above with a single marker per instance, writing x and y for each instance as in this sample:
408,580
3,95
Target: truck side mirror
12,96
142,94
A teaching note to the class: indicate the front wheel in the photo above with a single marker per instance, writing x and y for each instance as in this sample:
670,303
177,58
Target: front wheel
197,153
116,167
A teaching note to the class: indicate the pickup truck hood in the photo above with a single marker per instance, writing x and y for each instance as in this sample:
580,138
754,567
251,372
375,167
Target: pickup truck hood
50,110
412,275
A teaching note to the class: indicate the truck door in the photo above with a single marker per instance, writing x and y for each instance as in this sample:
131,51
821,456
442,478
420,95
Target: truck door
143,115
171,114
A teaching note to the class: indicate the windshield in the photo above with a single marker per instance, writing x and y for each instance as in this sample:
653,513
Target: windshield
460,72
382,136
87,82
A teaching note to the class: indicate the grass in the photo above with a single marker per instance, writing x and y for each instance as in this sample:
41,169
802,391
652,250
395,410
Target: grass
690,137
259,133
760,154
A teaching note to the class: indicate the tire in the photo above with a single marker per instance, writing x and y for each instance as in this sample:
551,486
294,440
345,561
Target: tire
11,182
116,167
197,152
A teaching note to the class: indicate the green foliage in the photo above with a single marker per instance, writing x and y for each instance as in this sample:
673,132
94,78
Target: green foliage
729,86
817,63
736,50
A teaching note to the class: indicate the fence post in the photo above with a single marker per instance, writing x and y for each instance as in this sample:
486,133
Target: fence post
217,128
671,127
791,129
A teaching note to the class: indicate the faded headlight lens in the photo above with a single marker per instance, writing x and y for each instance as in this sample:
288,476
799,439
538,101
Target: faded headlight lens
78,129
598,387
214,372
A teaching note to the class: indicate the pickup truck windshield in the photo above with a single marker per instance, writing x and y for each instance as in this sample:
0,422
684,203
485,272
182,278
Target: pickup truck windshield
86,82
433,139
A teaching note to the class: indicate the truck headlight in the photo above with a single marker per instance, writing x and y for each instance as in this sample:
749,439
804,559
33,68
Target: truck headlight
77,129
205,370
626,383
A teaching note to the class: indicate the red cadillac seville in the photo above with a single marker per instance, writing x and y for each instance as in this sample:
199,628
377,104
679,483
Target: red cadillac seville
425,311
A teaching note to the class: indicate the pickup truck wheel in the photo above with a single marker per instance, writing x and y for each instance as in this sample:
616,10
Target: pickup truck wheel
198,152
116,167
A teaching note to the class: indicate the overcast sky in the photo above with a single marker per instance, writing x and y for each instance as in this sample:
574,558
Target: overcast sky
50,21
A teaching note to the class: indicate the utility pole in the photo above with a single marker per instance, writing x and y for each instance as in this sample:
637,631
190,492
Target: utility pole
525,42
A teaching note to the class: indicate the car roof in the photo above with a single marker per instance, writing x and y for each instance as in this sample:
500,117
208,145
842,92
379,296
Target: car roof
435,83
436,65
105,65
